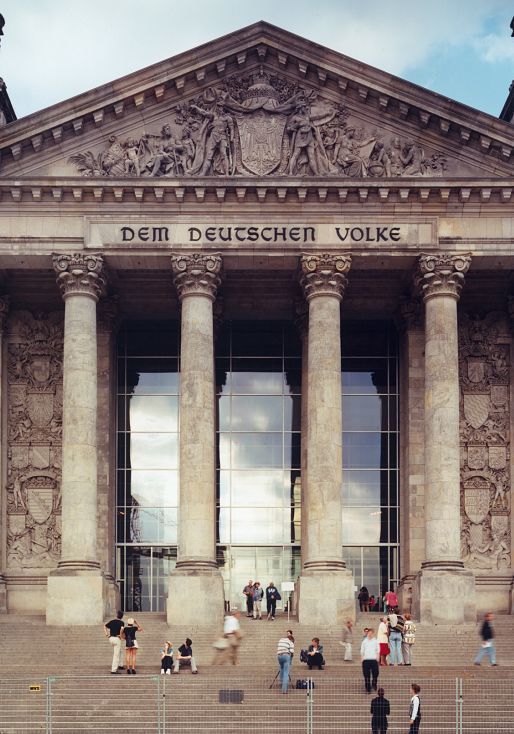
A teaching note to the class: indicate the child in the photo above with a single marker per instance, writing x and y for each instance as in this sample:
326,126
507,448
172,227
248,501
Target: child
166,658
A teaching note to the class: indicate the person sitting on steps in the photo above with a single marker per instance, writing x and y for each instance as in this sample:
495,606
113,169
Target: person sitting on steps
315,655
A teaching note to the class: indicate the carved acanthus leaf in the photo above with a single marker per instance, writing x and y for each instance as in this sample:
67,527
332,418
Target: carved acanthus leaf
79,274
441,274
324,275
196,274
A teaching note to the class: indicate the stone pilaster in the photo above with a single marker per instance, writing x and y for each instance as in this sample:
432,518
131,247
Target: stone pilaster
196,581
444,591
302,325
77,589
326,586
4,310
410,324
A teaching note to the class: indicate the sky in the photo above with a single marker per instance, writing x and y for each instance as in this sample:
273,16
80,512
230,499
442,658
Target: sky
55,49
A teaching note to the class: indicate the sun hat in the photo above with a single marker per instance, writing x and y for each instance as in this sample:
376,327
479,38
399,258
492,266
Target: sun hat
130,620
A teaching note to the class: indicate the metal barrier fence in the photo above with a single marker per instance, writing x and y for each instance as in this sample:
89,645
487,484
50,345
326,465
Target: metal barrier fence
233,704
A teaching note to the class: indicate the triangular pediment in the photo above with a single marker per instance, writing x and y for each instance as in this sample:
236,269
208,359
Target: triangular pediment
260,102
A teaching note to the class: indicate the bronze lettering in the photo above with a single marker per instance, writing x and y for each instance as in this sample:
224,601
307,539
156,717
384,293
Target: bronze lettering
195,234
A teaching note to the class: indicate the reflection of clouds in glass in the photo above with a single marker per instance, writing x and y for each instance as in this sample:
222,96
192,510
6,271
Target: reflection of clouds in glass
154,525
258,488
153,450
364,450
251,450
154,413
252,413
257,382
363,487
256,525
364,412
361,525
155,488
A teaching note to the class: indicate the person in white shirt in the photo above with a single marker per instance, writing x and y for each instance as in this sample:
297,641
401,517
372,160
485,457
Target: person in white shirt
414,709
232,634
370,653
285,652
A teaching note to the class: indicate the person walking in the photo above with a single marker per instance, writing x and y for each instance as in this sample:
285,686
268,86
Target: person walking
272,596
363,597
285,652
131,644
166,658
391,601
380,710
414,709
232,636
248,592
347,639
383,640
487,635
370,653
396,624
409,638
185,657
258,593
112,630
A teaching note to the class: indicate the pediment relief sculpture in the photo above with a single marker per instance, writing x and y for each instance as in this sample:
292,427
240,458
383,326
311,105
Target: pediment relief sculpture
261,125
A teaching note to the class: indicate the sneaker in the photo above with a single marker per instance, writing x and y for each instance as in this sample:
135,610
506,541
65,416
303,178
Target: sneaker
162,671
133,672
121,667
114,672
128,671
194,672
168,672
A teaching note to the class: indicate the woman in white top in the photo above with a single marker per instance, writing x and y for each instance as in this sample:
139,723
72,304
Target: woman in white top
383,640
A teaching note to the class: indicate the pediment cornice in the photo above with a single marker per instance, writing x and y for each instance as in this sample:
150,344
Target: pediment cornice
480,137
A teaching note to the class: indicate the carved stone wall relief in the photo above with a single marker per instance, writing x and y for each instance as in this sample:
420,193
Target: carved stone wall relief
484,364
260,125
34,405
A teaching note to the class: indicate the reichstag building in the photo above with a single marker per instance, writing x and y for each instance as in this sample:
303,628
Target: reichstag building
256,324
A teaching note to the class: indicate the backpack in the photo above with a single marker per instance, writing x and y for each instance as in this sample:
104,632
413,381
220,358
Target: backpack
303,656
302,684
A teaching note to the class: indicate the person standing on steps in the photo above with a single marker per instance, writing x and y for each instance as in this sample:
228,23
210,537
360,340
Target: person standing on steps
258,593
248,592
415,709
380,710
363,597
347,639
396,624
285,652
487,635
409,638
370,653
112,630
129,635
272,596
383,640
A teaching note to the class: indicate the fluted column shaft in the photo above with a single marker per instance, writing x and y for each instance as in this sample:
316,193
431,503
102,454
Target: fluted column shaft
82,282
197,278
323,279
440,279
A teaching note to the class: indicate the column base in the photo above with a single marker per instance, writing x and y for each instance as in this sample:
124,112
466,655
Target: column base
3,595
326,598
444,593
196,596
80,597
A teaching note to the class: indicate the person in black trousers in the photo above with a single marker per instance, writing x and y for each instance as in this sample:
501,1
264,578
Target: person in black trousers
370,653
414,709
380,710
272,596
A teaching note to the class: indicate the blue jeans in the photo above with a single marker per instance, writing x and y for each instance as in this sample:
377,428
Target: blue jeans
284,662
491,652
395,643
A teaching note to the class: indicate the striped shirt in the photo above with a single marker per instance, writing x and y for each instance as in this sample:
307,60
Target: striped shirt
285,646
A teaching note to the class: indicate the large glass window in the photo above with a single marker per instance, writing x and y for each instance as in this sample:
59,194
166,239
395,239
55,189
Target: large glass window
369,383
147,483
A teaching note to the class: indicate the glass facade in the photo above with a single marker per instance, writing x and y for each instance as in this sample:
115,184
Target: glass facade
258,486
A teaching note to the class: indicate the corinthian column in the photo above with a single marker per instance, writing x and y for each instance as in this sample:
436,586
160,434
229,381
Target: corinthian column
196,581
77,588
444,591
326,586
4,310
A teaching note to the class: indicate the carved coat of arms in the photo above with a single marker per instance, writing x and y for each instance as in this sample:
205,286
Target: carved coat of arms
476,499
476,408
260,136
40,501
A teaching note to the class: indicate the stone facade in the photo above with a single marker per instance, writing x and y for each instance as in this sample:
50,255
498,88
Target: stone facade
262,166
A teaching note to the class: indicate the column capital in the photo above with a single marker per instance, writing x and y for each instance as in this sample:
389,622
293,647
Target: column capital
324,275
196,274
5,304
80,274
441,274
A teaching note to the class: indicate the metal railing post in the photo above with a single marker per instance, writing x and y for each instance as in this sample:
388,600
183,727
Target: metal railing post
310,706
163,704
461,706
49,705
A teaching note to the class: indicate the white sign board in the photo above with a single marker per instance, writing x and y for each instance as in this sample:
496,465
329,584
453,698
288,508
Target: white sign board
287,585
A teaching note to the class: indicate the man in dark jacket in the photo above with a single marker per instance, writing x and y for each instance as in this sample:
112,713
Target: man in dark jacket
380,710
487,635
272,596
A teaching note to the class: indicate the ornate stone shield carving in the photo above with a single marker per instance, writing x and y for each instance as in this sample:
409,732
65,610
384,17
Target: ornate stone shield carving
40,407
477,456
497,457
40,456
476,499
499,395
19,456
499,523
40,501
260,135
476,408
476,369
40,368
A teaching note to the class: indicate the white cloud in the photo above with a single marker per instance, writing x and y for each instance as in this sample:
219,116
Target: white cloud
495,47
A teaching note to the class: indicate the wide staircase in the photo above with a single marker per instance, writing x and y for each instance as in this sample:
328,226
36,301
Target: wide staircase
63,673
